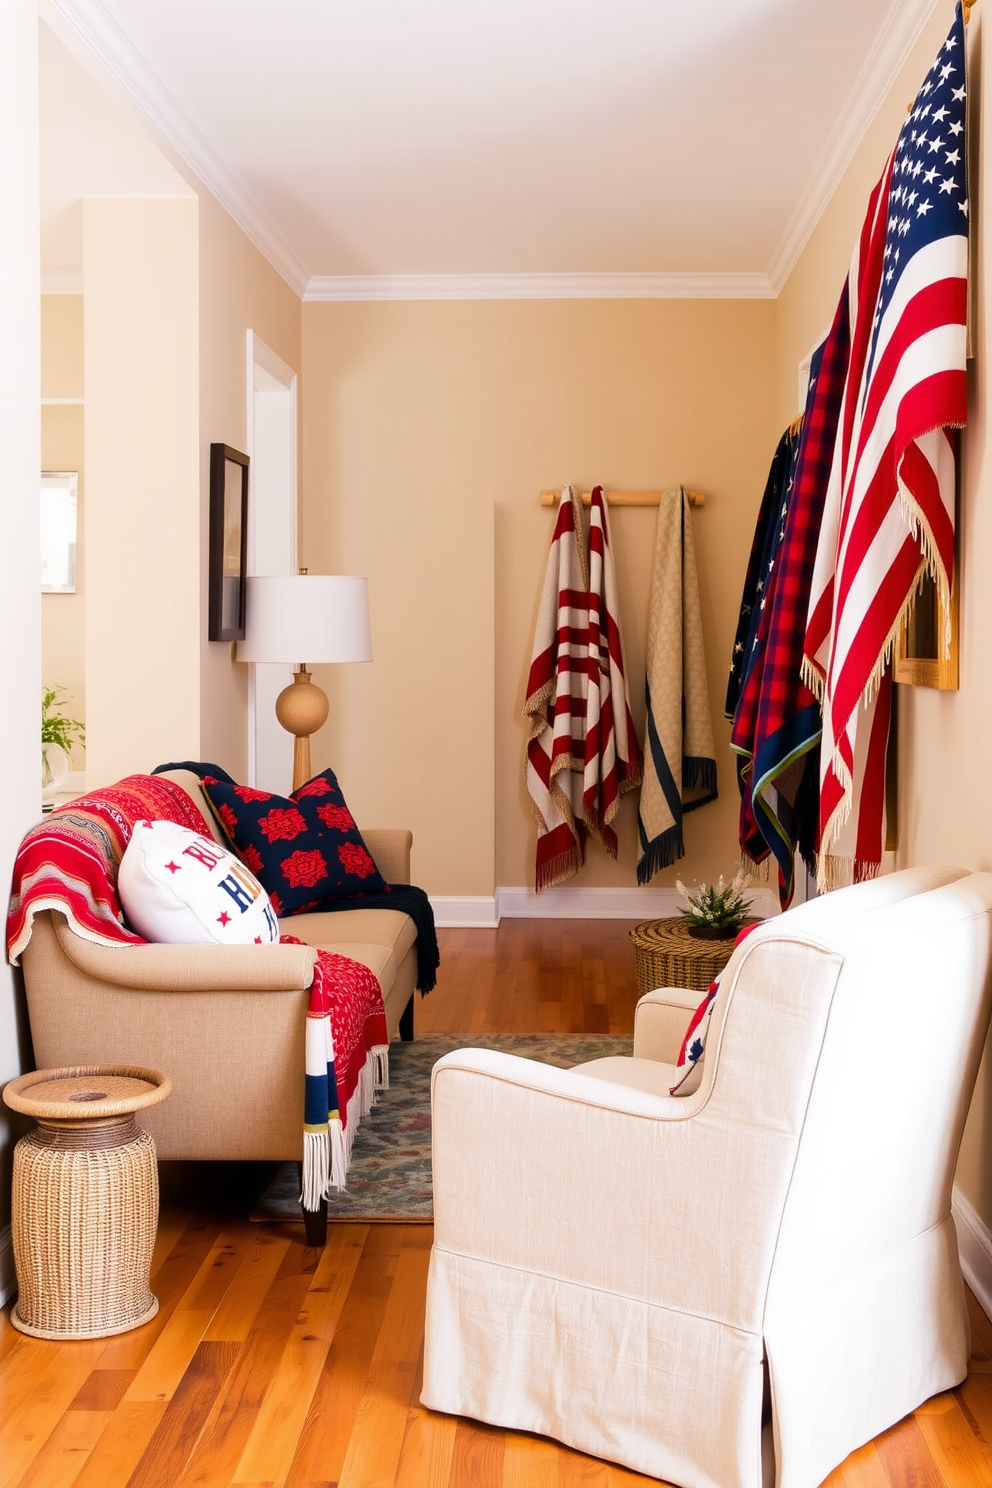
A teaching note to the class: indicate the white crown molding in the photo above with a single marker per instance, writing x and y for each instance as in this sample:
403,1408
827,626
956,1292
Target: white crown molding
900,32
539,287
108,44
974,1249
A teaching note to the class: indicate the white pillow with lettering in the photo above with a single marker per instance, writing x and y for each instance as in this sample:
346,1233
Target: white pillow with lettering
181,888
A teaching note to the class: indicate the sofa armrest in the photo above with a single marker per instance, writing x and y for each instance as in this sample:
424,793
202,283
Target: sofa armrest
390,847
660,1021
190,968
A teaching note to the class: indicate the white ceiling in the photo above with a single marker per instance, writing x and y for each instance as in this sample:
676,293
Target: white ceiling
678,142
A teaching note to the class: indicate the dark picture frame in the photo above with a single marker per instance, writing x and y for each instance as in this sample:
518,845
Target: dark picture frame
228,561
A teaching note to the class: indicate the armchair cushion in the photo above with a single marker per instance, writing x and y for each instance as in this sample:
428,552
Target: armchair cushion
305,850
178,887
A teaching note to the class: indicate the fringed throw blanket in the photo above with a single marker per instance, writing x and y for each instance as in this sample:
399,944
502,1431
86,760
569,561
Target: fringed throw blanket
747,665
613,762
556,701
889,513
69,863
347,1061
679,754
785,774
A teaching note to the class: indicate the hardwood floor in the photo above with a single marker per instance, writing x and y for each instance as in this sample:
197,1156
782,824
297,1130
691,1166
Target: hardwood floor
272,1364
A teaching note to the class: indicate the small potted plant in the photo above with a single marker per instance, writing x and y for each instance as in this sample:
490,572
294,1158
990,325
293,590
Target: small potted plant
57,736
716,911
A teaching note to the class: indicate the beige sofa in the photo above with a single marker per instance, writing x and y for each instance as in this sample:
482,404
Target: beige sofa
225,1022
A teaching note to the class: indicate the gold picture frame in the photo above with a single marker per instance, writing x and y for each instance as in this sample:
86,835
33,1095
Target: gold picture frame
921,659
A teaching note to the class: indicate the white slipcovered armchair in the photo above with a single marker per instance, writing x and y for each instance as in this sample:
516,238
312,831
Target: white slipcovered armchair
645,1277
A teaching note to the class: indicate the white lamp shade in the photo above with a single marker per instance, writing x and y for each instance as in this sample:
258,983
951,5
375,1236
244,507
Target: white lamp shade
306,618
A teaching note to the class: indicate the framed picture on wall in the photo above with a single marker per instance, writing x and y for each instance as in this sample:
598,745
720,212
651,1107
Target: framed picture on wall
228,561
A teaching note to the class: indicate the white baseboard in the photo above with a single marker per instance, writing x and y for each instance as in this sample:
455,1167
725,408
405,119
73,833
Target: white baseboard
8,1276
974,1248
605,904
484,912
465,911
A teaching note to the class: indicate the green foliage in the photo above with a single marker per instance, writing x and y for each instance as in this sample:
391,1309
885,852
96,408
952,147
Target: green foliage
55,727
720,906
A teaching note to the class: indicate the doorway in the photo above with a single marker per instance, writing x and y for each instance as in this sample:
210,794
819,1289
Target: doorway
272,546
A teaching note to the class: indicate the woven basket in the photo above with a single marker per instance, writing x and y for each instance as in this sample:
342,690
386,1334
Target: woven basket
668,956
84,1201
84,1229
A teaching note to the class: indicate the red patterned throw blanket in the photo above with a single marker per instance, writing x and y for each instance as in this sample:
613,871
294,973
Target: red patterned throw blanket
69,863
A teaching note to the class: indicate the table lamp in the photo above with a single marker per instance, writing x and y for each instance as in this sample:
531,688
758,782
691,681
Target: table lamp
324,617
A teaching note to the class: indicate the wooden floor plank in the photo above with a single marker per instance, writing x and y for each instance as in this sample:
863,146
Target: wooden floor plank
104,1390
957,1453
239,1308
904,1454
330,1421
271,1444
122,1444
529,1462
176,1435
36,1395
226,1430
477,1456
63,1457
427,1451
380,1423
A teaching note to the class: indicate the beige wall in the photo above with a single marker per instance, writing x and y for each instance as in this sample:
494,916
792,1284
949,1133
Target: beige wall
63,659
142,513
945,806
239,290
429,430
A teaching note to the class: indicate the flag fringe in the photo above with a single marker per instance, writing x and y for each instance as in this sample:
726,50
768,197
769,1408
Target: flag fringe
813,678
557,869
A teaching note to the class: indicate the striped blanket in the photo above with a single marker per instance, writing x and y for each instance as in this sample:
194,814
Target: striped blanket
613,762
556,701
69,863
679,753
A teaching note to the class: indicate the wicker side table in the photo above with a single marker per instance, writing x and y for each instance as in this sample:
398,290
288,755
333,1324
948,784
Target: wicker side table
85,1200
668,956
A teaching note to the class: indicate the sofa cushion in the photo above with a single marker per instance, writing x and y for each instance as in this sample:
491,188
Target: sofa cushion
347,930
180,887
305,849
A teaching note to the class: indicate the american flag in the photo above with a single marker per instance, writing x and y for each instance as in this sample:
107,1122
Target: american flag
889,515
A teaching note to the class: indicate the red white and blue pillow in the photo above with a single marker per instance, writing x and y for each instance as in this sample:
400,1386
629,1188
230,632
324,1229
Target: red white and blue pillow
178,887
694,1044
304,849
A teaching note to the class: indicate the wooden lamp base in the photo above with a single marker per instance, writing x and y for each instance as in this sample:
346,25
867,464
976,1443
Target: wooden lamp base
302,708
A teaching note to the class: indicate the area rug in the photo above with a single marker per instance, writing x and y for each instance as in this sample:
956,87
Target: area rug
389,1181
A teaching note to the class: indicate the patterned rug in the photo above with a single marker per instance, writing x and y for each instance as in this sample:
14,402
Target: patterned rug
389,1180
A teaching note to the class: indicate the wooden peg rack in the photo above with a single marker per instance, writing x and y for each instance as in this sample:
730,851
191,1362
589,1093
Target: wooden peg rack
626,498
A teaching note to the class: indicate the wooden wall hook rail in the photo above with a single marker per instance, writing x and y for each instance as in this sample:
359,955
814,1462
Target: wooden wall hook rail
626,498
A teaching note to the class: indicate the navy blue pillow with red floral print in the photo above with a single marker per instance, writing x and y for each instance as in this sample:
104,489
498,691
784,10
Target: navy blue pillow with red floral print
304,850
